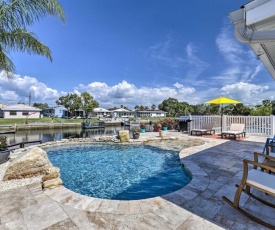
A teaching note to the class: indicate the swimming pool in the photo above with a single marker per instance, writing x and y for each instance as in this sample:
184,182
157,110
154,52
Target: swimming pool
119,172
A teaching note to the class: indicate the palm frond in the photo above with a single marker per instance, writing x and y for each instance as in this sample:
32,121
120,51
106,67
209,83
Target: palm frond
21,13
6,63
24,41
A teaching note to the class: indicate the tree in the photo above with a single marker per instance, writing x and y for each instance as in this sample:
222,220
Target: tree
174,108
15,17
265,109
262,111
41,105
198,109
137,107
212,109
71,102
170,106
266,103
88,103
153,107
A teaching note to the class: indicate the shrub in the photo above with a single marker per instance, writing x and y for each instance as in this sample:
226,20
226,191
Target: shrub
136,131
168,122
3,143
157,125
142,125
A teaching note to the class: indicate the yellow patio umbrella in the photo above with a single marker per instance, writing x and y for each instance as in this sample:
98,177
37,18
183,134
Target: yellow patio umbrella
221,101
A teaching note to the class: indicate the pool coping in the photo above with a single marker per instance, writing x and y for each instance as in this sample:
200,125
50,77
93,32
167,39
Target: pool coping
198,184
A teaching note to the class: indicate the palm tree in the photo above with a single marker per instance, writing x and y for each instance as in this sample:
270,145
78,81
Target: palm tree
15,16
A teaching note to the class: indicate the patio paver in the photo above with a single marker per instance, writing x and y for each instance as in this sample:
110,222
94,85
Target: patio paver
216,167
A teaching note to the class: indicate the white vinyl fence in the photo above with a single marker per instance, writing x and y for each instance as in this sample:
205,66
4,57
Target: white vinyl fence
254,125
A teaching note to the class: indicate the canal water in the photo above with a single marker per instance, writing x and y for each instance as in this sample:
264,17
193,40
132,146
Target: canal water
58,134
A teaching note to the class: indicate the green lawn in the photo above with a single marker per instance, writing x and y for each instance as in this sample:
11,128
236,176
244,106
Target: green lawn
7,121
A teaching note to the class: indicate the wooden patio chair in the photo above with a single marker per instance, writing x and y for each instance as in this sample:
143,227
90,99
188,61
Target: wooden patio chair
234,130
256,179
207,128
267,160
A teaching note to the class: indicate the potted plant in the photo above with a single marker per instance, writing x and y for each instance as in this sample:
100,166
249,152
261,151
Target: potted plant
3,143
167,123
142,127
136,133
157,126
4,154
164,125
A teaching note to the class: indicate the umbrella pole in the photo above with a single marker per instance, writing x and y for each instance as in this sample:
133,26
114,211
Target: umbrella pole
221,116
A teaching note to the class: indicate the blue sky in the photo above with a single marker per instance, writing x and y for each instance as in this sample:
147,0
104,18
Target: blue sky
127,52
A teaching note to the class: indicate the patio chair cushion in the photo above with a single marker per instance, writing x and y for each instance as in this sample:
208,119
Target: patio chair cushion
261,180
232,132
237,127
206,128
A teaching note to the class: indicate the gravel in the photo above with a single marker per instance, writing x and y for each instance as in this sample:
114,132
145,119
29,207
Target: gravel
10,184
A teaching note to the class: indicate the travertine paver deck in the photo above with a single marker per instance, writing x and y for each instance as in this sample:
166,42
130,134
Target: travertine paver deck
216,167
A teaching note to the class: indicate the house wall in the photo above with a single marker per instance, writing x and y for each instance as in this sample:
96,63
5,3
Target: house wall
19,114
151,114
59,112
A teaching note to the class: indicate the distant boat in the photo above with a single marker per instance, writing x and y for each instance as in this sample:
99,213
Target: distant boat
130,123
93,125
7,131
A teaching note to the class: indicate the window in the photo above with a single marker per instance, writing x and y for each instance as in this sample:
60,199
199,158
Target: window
25,113
13,113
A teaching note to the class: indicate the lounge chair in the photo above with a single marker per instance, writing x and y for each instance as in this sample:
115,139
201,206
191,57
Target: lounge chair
258,180
270,141
206,128
235,130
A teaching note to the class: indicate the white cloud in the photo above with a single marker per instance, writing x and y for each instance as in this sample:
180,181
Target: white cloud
18,88
178,85
196,65
162,54
129,95
240,62
245,92
185,62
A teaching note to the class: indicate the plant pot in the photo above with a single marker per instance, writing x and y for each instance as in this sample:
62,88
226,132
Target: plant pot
135,136
158,129
165,128
142,130
4,156
162,133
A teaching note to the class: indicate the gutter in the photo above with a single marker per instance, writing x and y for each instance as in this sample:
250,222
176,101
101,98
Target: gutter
249,36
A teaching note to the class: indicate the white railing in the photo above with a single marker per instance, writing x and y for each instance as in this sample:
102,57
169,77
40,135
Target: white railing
254,125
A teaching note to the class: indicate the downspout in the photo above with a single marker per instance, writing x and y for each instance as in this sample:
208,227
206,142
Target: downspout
249,36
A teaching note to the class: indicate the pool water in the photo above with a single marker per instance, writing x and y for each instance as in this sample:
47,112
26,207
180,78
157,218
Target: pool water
120,172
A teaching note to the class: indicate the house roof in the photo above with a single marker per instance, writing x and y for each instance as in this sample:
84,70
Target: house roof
121,110
20,107
2,105
150,111
101,110
255,25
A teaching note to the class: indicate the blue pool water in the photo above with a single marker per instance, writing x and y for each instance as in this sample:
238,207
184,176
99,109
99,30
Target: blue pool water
120,172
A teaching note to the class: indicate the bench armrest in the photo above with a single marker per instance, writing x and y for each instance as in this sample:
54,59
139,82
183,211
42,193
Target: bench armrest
246,162
264,155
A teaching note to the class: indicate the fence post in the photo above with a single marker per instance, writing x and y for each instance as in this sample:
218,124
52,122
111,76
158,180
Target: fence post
224,123
272,123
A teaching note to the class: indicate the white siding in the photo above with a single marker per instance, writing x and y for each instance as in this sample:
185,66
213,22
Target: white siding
19,114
